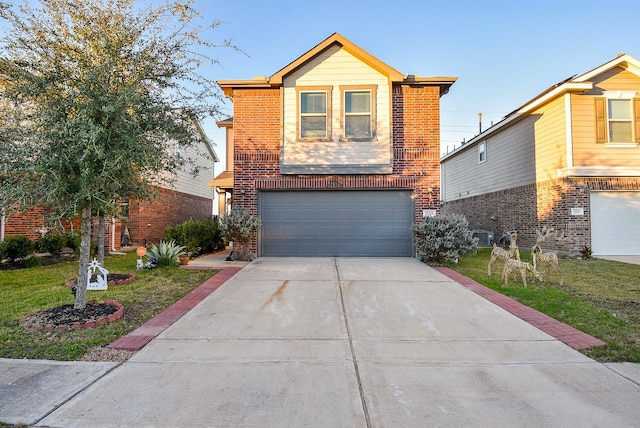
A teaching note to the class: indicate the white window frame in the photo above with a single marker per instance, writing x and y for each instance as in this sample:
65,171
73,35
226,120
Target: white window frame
327,114
625,96
373,99
482,152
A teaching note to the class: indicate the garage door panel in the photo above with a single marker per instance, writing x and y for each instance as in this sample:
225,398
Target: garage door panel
336,223
615,223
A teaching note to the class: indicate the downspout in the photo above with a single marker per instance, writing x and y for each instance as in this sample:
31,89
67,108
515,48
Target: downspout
2,229
569,131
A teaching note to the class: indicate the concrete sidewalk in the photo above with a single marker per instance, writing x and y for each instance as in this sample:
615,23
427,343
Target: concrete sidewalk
352,343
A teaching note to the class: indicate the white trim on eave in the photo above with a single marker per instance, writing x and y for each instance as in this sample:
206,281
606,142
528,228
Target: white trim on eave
522,111
625,61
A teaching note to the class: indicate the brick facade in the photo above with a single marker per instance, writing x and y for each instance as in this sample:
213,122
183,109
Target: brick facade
416,153
146,221
530,208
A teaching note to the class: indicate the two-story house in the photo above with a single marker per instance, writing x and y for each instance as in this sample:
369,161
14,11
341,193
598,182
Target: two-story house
569,159
337,153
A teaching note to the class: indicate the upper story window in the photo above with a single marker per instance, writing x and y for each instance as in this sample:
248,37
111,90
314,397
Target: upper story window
314,113
358,112
482,152
618,118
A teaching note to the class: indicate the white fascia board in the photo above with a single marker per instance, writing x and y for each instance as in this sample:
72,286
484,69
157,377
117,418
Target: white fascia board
522,111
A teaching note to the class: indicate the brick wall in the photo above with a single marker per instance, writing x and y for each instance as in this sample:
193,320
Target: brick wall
146,221
416,152
530,208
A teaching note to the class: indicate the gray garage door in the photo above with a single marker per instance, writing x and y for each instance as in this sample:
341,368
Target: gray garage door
336,223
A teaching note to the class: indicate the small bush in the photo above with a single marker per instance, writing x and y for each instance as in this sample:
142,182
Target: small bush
586,252
52,244
16,247
444,238
73,240
240,226
197,236
165,253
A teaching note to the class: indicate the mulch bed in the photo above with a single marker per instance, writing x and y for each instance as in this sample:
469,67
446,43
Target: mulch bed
65,317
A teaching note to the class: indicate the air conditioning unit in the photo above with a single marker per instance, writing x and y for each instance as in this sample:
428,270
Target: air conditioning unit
485,237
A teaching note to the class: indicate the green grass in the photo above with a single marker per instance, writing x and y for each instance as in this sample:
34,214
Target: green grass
598,297
26,291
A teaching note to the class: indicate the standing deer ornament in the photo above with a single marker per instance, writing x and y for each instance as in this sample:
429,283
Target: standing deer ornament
540,258
501,254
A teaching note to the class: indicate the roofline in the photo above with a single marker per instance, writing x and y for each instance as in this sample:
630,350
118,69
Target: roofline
546,96
206,141
276,80
623,60
393,74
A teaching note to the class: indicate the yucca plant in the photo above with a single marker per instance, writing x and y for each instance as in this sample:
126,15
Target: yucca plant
165,253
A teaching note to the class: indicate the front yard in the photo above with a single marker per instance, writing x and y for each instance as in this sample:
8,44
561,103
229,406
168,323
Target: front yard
598,297
25,291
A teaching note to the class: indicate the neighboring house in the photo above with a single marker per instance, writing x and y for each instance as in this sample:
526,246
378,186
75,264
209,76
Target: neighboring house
569,159
337,153
142,222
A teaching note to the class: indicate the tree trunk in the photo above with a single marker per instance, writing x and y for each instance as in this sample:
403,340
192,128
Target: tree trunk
85,253
101,237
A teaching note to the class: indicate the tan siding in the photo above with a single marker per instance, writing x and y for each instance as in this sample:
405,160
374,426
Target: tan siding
616,79
586,152
336,67
550,140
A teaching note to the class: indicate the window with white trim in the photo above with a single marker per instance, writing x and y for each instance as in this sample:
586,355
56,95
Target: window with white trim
358,112
618,118
313,114
482,152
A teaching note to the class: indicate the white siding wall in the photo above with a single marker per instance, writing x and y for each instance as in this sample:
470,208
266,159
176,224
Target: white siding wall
198,186
335,67
510,163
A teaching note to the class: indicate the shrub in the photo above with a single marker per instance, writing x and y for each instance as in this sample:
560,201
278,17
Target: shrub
444,238
165,253
240,226
197,236
52,243
73,240
16,247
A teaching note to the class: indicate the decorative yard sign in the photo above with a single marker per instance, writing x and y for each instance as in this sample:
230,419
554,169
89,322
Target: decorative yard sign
141,252
100,274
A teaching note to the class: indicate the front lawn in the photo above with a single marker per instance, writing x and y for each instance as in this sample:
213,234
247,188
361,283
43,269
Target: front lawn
28,290
598,297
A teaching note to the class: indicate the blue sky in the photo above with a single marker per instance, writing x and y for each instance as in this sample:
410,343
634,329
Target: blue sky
503,52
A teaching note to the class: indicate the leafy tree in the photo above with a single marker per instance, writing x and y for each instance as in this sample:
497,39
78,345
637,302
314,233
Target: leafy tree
93,96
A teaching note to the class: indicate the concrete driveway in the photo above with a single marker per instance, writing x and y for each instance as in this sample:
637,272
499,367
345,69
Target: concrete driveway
323,342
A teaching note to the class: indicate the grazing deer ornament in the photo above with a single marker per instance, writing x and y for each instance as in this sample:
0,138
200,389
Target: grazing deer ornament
524,267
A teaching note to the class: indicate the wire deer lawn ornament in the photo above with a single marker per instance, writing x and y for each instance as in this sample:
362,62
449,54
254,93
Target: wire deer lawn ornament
501,254
512,265
540,258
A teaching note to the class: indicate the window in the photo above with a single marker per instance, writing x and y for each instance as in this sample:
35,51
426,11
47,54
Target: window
482,152
358,112
314,113
618,118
